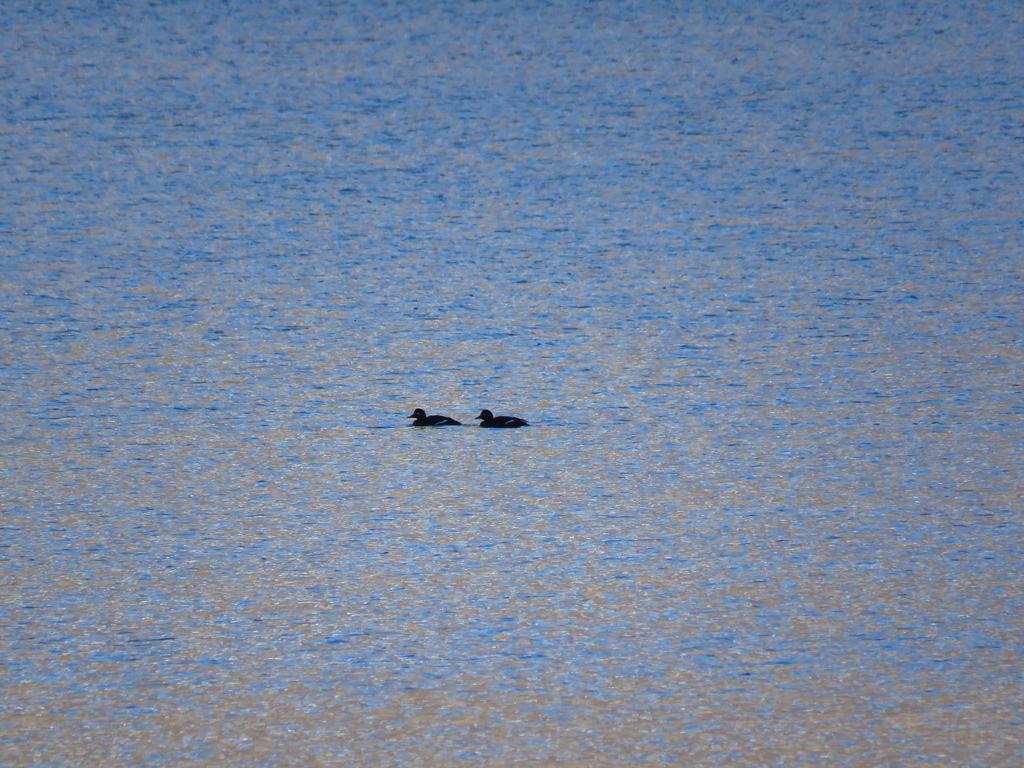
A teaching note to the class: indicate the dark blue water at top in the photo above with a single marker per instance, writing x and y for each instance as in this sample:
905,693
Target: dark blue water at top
751,271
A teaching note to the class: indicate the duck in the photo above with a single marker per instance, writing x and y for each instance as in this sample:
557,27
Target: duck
488,419
422,420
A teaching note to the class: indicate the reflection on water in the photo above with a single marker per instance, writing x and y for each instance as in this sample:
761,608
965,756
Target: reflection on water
753,276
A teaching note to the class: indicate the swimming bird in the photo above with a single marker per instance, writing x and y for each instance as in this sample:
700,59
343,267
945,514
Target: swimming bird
422,420
507,422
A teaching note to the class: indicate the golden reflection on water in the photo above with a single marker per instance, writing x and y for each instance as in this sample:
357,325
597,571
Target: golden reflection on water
381,590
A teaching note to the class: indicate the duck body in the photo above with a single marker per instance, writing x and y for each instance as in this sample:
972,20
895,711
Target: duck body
488,419
422,420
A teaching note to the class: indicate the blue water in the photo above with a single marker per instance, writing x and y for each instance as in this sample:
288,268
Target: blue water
751,271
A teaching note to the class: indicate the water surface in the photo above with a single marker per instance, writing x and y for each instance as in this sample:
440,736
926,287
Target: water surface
752,273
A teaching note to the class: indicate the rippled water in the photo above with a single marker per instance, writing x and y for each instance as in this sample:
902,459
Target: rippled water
752,272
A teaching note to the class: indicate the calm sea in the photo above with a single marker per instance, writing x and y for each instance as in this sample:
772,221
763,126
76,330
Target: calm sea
752,270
